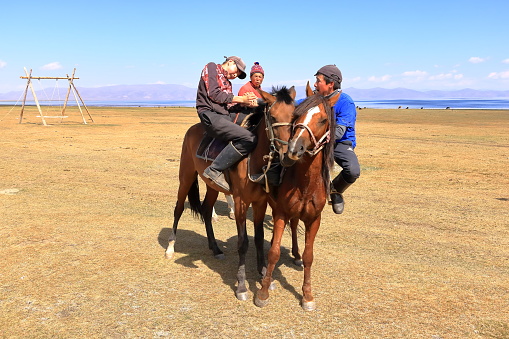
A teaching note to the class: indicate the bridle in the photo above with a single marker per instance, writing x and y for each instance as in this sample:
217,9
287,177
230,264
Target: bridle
273,148
269,127
319,144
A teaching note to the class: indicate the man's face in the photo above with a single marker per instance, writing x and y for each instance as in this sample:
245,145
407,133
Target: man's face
231,68
323,88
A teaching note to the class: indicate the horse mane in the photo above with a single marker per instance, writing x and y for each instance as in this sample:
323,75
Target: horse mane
328,150
282,94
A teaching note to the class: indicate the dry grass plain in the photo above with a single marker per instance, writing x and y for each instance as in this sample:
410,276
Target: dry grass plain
422,250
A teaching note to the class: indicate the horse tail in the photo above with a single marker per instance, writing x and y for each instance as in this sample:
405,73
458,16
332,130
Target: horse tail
194,200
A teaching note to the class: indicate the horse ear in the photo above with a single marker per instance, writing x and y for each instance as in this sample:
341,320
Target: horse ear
333,99
293,93
267,97
309,91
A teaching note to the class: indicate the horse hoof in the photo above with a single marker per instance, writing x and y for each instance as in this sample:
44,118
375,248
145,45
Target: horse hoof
219,256
298,262
215,219
232,215
243,296
261,303
169,252
272,286
308,305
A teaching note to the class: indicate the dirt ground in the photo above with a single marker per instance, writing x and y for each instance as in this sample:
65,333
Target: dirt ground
422,250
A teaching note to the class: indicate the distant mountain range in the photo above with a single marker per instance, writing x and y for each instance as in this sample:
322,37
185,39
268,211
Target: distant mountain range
183,93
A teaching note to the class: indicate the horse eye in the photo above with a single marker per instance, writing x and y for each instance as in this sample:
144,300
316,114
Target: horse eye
324,121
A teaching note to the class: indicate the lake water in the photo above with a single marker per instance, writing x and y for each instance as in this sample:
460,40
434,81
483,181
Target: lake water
402,103
437,104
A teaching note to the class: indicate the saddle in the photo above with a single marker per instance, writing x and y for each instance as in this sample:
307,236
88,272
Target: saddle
210,147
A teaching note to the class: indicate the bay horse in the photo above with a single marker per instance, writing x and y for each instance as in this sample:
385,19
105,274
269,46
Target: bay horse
305,187
273,132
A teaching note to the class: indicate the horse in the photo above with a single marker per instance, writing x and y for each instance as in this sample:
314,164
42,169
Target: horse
305,187
273,132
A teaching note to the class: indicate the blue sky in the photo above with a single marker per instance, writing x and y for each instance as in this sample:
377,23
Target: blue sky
422,45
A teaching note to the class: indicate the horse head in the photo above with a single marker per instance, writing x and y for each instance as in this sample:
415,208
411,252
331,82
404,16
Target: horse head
313,126
279,116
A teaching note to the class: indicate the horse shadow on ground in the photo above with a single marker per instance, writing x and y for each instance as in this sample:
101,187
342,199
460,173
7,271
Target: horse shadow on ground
192,248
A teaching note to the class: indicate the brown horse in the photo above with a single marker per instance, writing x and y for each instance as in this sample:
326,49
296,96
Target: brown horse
305,187
273,132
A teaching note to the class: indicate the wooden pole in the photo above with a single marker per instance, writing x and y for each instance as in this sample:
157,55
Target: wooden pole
77,103
68,91
24,98
83,102
36,100
75,92
54,78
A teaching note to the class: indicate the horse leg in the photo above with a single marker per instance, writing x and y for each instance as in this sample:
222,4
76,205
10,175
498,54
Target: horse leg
308,302
231,207
297,259
242,246
262,295
207,208
259,209
184,187
215,218
177,213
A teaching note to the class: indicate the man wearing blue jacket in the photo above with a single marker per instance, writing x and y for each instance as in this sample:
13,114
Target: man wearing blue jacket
328,83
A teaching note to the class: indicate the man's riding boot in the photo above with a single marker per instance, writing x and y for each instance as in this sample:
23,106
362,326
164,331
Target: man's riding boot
228,156
338,187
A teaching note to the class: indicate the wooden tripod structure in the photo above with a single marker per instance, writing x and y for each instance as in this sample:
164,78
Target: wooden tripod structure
72,88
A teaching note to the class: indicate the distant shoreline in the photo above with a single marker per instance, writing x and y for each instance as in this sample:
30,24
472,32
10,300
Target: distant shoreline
463,104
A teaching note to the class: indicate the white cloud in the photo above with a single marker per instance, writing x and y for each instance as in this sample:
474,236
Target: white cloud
476,60
506,61
499,75
2,64
159,83
383,78
415,73
445,76
52,66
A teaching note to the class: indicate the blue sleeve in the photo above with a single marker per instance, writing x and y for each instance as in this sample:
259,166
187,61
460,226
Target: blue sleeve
345,111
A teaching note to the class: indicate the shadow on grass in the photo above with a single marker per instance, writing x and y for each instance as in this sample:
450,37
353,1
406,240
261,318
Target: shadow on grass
191,247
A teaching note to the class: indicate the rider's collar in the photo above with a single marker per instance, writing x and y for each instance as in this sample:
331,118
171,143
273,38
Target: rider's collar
333,93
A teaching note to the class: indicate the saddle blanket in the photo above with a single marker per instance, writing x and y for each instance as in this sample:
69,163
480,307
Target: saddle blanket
210,148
